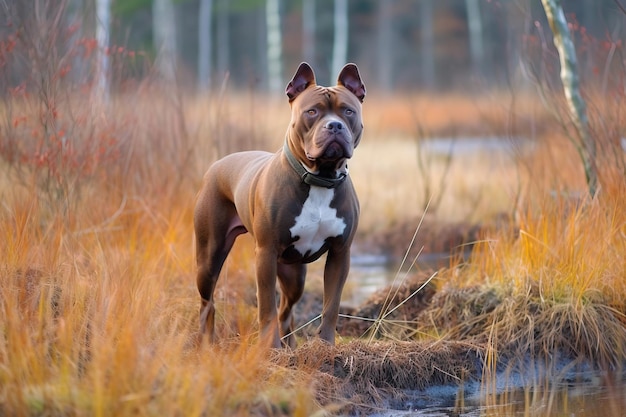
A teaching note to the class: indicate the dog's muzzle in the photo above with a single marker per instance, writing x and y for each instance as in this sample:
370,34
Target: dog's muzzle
335,141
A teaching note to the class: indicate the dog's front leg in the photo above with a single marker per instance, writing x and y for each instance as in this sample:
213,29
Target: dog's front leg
266,269
335,274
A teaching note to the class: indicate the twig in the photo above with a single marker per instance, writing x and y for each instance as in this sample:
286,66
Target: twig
395,278
301,327
412,294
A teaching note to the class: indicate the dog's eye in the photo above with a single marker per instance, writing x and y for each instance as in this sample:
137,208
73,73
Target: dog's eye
349,112
311,112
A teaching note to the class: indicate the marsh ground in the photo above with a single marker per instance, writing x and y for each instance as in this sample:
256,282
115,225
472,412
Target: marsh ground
98,296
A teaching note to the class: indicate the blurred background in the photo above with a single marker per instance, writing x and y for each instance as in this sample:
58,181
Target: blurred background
465,95
399,45
472,164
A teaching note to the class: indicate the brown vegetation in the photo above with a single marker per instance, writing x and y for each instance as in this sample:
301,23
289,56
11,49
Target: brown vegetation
98,299
358,375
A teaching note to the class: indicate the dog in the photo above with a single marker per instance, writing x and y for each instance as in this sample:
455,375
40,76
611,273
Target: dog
297,203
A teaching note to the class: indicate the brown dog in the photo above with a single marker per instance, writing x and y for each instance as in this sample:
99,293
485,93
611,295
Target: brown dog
298,203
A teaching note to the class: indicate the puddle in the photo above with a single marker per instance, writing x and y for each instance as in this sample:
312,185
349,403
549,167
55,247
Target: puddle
592,397
463,146
374,272
371,273
581,400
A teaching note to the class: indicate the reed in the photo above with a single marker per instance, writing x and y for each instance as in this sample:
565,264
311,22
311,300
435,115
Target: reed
98,295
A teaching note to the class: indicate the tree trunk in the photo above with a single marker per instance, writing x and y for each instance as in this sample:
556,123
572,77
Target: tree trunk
340,41
274,46
308,31
385,47
427,43
79,67
223,39
571,85
204,44
103,27
475,29
164,32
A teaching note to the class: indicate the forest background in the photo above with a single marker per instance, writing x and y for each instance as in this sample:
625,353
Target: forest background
399,45
111,111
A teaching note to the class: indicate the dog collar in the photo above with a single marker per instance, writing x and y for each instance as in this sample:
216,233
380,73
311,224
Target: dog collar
309,177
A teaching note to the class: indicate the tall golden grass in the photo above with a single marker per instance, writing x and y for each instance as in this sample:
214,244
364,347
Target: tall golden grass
98,304
98,296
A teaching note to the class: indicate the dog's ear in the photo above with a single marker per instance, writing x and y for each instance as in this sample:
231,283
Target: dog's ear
303,78
349,77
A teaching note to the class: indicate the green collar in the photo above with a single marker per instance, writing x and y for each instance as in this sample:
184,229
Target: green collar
308,177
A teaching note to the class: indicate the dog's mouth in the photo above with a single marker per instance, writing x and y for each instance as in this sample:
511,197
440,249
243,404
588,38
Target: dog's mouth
333,150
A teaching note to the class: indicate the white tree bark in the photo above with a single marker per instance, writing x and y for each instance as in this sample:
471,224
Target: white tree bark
427,42
308,31
340,41
274,46
223,39
103,27
385,50
204,44
571,86
75,17
475,26
164,32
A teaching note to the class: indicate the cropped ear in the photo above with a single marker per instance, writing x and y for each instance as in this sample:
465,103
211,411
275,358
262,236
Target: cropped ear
349,77
302,79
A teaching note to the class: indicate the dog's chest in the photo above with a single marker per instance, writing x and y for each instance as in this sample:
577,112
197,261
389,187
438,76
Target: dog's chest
316,222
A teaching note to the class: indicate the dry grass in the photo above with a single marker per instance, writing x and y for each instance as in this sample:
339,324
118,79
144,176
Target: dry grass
369,373
98,294
99,303
497,113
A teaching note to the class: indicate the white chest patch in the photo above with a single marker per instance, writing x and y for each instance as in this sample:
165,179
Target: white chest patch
317,221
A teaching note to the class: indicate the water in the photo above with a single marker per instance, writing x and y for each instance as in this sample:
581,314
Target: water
588,399
374,272
464,146
512,394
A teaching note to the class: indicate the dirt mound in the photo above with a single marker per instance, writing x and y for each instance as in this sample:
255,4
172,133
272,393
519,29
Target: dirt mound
522,325
433,237
359,374
395,308
420,336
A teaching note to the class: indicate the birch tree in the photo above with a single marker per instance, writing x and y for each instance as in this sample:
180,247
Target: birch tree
274,46
223,38
475,26
164,33
384,48
103,27
340,40
204,44
427,42
577,107
308,31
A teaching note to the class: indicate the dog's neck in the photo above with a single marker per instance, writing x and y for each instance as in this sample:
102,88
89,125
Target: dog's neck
311,178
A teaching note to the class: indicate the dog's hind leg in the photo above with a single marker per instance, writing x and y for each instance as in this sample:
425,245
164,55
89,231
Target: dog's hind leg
214,240
291,278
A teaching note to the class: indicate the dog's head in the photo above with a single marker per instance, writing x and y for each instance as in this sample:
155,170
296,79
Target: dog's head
326,122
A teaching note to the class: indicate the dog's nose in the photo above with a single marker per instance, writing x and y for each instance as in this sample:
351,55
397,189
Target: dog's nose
334,126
